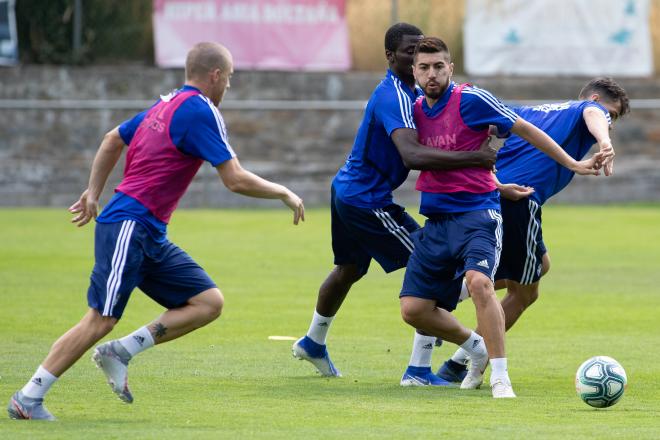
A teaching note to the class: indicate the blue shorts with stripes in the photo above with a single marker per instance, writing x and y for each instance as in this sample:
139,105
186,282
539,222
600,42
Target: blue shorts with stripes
360,234
128,257
448,246
523,247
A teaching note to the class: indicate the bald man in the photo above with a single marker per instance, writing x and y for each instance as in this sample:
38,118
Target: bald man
167,144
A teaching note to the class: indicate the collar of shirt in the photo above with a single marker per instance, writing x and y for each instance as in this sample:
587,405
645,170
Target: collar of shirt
406,88
440,104
187,87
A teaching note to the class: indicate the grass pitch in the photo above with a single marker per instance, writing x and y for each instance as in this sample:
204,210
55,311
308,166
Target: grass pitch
228,380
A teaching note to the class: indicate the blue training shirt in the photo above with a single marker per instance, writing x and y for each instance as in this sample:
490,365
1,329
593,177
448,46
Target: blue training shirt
479,109
374,167
519,162
197,129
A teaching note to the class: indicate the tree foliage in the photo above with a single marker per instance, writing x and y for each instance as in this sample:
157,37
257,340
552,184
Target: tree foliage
112,31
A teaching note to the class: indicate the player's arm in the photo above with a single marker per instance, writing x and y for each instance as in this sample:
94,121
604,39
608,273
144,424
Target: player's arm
106,158
206,137
599,127
417,156
239,180
545,143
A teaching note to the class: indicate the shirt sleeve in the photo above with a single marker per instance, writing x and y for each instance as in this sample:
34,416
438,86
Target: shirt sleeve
198,129
479,108
598,106
394,109
127,128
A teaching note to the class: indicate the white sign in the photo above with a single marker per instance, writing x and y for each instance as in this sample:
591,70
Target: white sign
261,34
8,40
558,37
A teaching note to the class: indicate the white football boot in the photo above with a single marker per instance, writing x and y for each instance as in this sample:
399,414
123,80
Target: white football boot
475,375
502,389
113,359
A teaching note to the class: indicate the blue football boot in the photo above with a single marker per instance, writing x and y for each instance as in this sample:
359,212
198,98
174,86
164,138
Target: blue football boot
422,377
305,348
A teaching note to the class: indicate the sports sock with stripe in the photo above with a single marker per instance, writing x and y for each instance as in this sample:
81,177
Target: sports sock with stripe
319,327
138,341
422,350
39,384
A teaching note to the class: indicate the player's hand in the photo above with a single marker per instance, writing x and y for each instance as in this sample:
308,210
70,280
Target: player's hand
608,156
494,131
589,167
488,154
512,191
86,207
296,204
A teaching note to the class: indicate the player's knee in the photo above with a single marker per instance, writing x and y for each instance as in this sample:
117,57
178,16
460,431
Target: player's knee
410,316
210,304
95,323
215,304
531,294
412,313
106,325
545,265
347,274
481,288
525,295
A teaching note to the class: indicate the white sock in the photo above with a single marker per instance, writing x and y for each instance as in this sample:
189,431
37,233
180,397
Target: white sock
39,384
318,329
461,356
498,370
465,293
138,341
422,350
475,346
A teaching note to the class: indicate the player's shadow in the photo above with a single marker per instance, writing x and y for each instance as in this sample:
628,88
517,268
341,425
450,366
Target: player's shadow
347,386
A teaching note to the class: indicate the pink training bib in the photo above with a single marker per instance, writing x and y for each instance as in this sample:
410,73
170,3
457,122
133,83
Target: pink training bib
157,174
447,131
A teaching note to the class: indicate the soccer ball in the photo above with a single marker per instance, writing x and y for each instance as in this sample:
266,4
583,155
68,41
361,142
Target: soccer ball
600,381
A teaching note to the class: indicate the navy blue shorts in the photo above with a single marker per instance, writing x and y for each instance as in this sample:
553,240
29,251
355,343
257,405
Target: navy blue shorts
448,246
523,247
127,257
360,234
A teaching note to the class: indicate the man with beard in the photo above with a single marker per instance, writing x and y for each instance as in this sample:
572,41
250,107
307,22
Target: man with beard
462,236
576,126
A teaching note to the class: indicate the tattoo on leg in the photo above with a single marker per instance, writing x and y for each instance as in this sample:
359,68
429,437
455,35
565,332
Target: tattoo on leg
159,330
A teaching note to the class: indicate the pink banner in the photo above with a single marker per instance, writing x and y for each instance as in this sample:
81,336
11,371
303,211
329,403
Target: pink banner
261,34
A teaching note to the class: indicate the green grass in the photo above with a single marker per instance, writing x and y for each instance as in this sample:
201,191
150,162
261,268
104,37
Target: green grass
602,297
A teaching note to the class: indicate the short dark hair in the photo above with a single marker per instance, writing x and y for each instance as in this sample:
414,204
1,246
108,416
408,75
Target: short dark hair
430,45
205,57
609,90
396,32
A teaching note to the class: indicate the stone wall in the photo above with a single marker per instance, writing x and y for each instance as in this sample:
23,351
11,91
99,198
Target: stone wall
48,145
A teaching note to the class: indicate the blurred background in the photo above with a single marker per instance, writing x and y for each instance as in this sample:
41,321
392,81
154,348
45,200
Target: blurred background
70,70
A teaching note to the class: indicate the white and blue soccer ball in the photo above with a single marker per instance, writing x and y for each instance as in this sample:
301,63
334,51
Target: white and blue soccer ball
600,381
